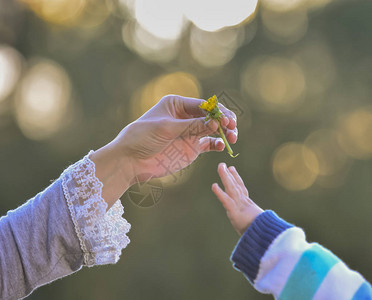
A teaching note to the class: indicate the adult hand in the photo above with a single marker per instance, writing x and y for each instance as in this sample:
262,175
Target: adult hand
167,138
171,135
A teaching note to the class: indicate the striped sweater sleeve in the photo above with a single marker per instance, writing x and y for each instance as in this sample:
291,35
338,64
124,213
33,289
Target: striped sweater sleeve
276,258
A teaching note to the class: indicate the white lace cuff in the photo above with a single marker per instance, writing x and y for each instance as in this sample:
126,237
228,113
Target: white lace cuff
102,233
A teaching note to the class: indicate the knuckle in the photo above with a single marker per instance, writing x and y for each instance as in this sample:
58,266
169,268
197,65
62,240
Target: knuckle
162,124
167,99
170,97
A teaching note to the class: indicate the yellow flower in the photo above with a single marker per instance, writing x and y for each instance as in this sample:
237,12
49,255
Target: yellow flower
215,114
210,104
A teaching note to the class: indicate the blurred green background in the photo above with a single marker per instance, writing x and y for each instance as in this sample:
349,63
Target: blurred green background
73,73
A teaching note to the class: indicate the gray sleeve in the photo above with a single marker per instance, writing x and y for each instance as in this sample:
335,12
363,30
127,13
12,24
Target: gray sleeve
61,229
38,244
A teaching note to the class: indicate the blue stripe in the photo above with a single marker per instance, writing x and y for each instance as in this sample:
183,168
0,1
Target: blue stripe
255,242
364,292
308,273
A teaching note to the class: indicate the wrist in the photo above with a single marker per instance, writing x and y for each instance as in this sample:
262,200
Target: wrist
255,211
114,169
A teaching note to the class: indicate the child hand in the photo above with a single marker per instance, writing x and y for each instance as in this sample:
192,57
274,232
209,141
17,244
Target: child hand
240,209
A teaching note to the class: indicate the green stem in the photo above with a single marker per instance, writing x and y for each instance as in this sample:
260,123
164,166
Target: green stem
225,141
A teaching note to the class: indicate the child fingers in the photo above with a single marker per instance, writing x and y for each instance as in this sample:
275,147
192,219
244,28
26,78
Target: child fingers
228,181
224,198
238,179
239,190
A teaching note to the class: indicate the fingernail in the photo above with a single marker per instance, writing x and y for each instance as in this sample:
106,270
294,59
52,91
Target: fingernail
236,122
226,121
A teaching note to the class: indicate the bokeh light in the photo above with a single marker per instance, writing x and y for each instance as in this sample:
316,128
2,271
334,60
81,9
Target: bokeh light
285,27
335,180
330,156
214,49
295,166
10,70
162,18
213,15
69,13
283,5
157,27
42,100
317,4
275,83
62,12
122,8
355,133
147,45
94,14
179,83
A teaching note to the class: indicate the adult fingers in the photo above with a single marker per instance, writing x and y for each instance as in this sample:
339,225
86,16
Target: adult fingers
231,135
208,143
186,107
230,115
193,127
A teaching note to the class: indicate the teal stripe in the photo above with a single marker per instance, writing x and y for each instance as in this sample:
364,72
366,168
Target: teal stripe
364,292
308,273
